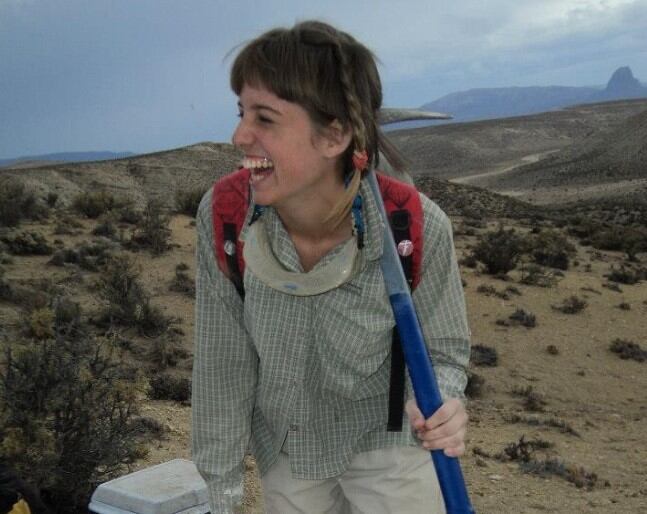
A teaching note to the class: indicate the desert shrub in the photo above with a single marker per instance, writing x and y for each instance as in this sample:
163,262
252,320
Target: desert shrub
65,418
88,256
26,243
551,349
487,290
612,286
58,316
165,352
523,450
128,302
535,421
127,213
187,201
468,261
152,231
475,384
18,203
167,387
624,275
473,217
146,427
4,258
583,228
51,199
535,275
624,306
94,204
630,240
493,291
482,355
106,228
571,305
521,317
67,224
6,291
41,323
463,230
182,283
531,400
628,350
67,317
576,475
551,248
499,250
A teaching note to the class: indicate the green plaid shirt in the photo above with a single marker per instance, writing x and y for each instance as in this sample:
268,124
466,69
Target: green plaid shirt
310,375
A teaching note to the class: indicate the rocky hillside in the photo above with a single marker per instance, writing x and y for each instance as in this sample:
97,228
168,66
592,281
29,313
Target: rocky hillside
156,175
463,149
598,159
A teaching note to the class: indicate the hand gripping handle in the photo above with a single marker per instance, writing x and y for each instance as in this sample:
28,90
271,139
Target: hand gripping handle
423,379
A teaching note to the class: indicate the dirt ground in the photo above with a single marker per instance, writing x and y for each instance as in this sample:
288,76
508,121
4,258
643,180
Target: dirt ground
592,407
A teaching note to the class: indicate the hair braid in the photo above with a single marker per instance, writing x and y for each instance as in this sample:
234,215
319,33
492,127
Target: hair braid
359,139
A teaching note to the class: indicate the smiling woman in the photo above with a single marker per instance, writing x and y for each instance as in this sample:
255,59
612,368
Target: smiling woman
292,165
295,365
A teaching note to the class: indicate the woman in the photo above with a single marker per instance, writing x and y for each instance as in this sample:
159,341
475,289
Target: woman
302,380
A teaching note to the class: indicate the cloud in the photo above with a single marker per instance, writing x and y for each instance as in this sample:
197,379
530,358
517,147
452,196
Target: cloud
77,71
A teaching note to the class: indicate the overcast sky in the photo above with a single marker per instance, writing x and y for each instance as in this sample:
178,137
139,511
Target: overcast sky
145,75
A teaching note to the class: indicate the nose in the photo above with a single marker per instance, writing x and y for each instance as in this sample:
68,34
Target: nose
243,135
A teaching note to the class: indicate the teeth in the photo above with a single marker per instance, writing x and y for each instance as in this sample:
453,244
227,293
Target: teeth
257,163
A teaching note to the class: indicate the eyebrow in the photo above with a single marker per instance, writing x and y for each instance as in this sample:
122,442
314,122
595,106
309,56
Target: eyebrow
259,107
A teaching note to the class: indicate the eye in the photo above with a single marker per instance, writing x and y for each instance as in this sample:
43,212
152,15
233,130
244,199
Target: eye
240,114
264,119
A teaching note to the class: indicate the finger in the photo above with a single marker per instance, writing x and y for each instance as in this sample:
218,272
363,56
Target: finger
451,451
416,418
457,451
447,411
455,425
452,443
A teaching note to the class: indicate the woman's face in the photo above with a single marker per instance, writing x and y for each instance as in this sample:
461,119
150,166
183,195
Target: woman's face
291,163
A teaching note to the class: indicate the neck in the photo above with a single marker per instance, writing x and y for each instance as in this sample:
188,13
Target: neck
305,221
303,217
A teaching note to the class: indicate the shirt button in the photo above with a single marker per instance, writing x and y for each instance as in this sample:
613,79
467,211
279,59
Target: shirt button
294,428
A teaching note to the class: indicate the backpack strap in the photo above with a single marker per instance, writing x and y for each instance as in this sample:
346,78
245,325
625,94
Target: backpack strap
404,209
229,203
399,196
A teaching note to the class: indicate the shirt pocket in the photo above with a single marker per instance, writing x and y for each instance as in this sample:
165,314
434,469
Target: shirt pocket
352,341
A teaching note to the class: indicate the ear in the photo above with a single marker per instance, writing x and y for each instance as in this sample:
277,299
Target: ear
335,139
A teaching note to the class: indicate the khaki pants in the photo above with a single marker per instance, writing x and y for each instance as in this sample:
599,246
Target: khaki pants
395,480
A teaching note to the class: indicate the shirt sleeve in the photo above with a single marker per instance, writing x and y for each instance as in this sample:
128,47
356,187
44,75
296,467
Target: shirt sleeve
440,304
224,376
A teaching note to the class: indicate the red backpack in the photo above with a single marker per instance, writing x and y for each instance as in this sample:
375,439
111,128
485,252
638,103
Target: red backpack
230,202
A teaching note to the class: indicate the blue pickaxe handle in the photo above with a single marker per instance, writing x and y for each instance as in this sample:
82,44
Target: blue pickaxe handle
419,363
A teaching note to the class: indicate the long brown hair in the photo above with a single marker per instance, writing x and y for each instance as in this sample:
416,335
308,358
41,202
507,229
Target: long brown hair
333,77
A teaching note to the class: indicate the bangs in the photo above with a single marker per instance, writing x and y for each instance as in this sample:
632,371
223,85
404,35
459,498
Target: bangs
294,71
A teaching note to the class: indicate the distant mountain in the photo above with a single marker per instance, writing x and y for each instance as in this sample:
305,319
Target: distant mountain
477,104
622,84
66,157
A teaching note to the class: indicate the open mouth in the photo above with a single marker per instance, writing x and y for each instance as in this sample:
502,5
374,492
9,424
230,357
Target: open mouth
260,168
